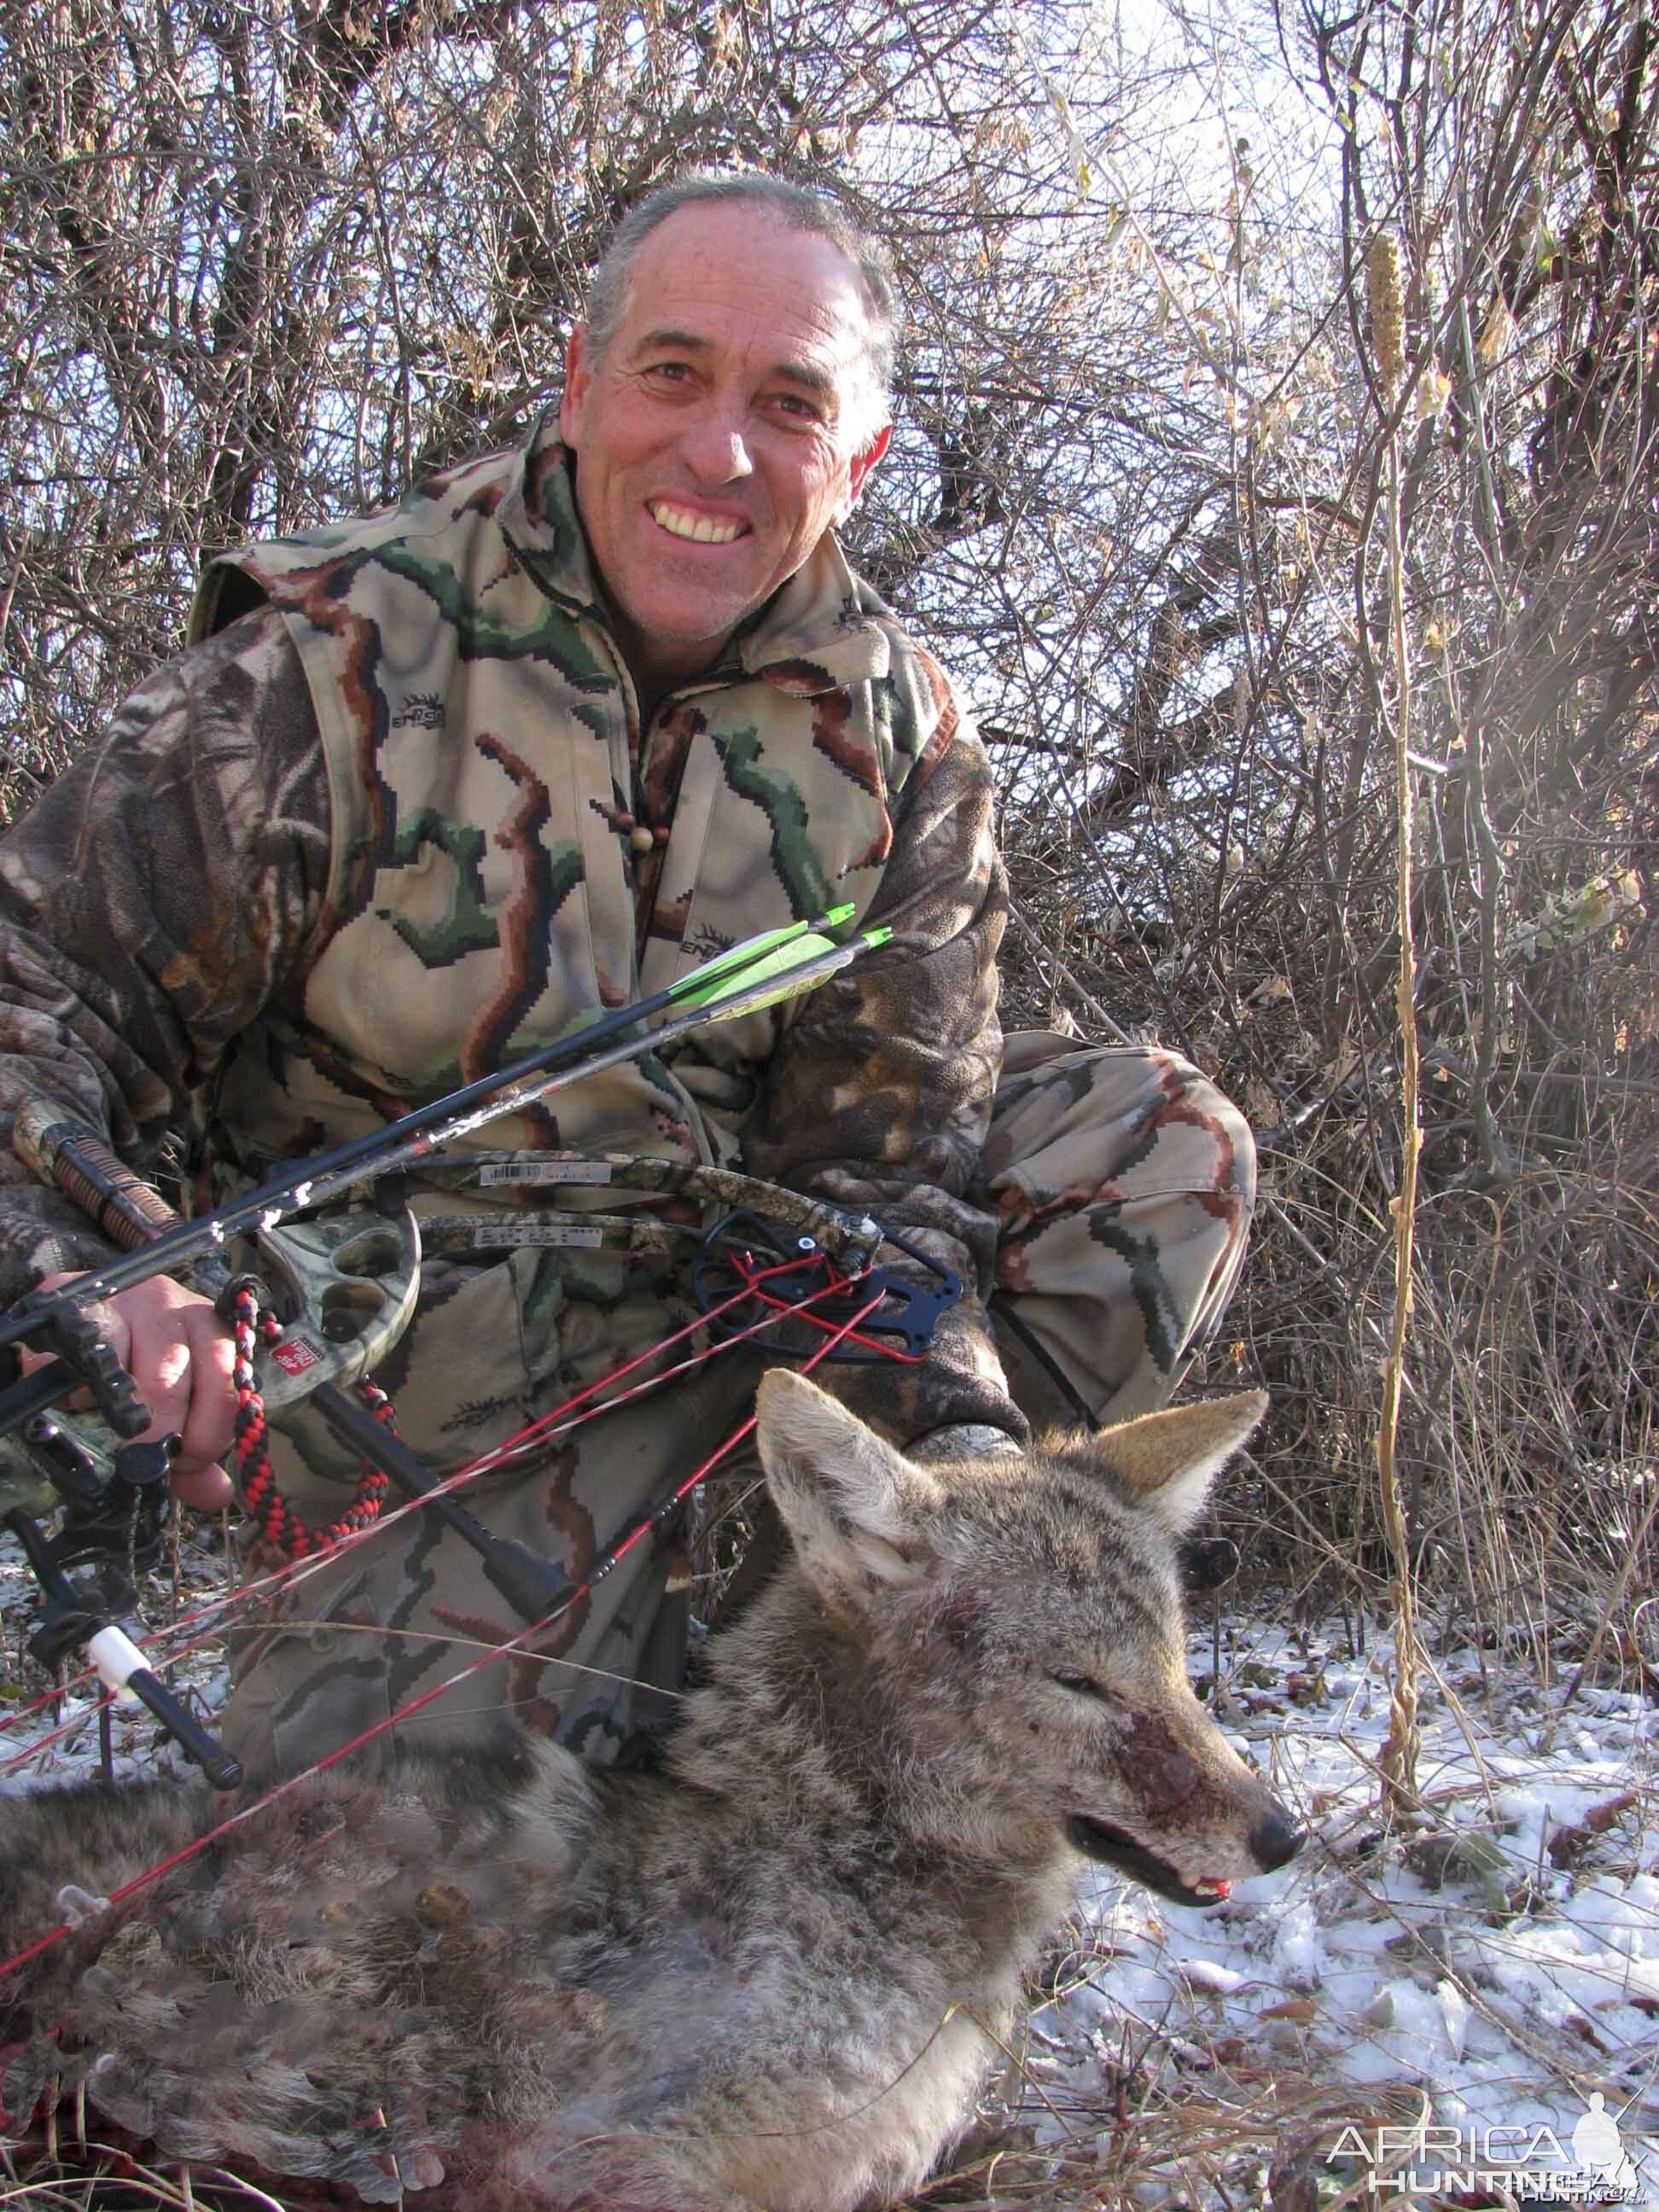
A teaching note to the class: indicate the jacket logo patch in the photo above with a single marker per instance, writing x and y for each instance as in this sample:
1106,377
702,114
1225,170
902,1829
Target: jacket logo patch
420,710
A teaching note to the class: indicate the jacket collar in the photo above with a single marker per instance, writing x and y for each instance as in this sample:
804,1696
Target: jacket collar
814,635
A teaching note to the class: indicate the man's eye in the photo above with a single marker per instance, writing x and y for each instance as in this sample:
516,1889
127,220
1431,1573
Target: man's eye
1082,1686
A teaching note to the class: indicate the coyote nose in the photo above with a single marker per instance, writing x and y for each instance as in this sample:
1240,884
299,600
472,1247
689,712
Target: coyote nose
1275,1840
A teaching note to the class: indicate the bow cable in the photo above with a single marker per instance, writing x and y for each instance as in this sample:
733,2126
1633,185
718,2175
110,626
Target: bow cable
517,1644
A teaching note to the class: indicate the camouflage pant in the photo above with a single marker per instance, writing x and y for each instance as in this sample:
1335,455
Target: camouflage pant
1123,1182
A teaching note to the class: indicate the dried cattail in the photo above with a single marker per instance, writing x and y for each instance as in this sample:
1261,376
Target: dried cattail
1382,298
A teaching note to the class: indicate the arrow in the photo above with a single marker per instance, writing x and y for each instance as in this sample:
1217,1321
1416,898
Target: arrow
775,964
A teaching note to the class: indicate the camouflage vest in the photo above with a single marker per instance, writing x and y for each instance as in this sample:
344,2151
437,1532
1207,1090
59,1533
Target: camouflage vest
485,754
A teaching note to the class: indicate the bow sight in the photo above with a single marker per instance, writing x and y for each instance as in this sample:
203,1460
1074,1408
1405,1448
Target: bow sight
318,1298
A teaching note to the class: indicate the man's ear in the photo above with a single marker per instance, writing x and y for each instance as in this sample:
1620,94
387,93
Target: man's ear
1167,1461
860,465
577,379
856,1509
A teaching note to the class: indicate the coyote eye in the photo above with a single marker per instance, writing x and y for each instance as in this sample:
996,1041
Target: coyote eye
1083,1685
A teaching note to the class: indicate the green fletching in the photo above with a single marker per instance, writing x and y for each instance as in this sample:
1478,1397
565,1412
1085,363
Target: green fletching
802,948
800,966
708,974
758,957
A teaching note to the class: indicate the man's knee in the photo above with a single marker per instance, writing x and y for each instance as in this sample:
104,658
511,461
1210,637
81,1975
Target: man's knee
1124,1180
1221,1135
1072,1123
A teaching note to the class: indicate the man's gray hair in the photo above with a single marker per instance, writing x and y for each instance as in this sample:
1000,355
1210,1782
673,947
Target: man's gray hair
794,206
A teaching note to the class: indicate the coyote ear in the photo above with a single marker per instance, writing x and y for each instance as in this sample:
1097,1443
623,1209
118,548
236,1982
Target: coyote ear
1168,1460
854,1506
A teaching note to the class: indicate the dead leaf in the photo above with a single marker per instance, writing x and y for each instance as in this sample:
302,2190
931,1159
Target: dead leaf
1574,1838
1302,2010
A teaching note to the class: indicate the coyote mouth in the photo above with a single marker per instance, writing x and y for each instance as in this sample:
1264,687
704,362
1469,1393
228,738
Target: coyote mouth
1112,1848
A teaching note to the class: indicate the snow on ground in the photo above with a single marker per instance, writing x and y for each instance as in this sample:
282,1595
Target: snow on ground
1490,1973
67,1728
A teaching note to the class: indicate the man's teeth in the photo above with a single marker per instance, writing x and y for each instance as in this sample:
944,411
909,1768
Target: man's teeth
679,523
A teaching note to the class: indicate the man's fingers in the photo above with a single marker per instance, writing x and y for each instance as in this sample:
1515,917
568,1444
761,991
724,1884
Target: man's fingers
208,1489
179,1355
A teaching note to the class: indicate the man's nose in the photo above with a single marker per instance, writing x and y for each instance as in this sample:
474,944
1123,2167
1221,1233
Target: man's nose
714,448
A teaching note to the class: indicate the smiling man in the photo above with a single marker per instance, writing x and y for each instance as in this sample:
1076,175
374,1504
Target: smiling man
430,785
725,416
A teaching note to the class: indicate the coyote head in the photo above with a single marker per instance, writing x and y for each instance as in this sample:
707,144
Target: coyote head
1019,1636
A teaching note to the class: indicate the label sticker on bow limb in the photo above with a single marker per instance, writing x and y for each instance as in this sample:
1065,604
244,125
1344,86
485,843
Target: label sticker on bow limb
528,1171
497,1236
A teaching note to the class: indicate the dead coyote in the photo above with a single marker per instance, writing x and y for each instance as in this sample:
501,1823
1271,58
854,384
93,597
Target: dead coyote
771,1977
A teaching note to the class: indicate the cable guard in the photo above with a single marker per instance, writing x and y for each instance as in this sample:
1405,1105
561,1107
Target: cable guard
812,1305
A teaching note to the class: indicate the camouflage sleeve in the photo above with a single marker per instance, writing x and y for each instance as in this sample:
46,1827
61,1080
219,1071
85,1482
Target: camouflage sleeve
158,895
880,1092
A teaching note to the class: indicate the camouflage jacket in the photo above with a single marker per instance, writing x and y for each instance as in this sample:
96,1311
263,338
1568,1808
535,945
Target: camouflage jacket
303,939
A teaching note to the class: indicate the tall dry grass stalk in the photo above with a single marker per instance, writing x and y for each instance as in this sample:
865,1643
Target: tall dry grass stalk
1398,1760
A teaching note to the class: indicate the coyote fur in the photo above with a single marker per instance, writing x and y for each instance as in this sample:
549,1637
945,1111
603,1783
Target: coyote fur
773,1974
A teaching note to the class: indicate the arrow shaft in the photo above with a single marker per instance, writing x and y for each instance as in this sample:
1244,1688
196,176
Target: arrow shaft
404,1142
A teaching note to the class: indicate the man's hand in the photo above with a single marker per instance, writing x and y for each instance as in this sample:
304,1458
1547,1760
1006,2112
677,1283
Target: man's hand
179,1355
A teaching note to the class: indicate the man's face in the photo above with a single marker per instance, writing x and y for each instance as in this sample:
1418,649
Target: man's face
724,430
